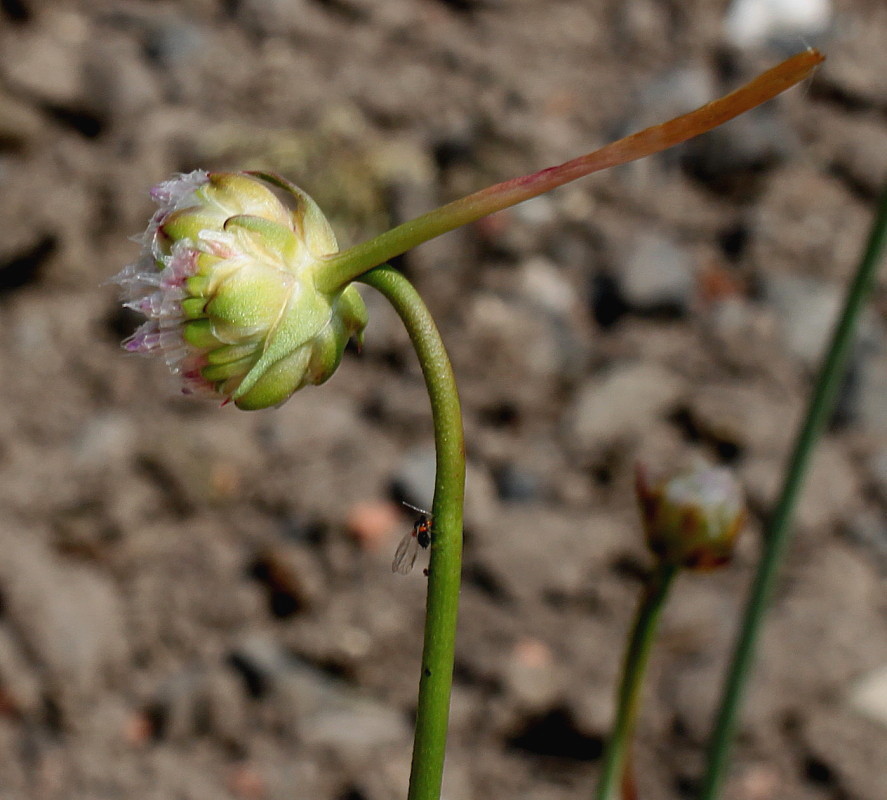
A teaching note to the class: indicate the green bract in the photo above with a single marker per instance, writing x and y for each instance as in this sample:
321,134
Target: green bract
227,279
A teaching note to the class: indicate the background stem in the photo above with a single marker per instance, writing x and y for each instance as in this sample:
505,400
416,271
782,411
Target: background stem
636,658
444,572
779,529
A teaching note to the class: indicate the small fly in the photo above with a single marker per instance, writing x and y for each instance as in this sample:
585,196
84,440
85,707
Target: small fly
419,536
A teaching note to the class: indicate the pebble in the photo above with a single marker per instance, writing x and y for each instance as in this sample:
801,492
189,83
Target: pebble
530,347
621,403
21,126
868,398
830,493
321,711
806,309
414,482
731,158
740,415
178,705
531,675
414,478
105,441
46,62
351,725
657,275
859,152
292,578
543,284
117,81
868,696
19,685
68,616
858,60
371,524
849,756
175,42
752,23
515,484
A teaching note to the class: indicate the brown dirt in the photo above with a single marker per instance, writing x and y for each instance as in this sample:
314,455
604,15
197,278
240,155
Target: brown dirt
197,602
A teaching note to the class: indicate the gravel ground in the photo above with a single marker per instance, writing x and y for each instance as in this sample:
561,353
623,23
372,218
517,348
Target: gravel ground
197,602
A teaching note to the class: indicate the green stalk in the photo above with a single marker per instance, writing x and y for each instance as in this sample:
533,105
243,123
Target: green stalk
779,529
341,268
444,572
646,621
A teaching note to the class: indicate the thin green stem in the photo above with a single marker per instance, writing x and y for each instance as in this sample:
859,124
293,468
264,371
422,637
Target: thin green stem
633,670
341,268
444,572
779,528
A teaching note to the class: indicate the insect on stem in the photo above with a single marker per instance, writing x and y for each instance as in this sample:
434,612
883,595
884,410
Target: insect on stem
408,548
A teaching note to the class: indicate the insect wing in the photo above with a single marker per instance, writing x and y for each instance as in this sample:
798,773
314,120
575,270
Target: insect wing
405,555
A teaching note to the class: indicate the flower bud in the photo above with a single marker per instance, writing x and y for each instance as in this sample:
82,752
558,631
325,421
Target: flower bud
227,281
691,519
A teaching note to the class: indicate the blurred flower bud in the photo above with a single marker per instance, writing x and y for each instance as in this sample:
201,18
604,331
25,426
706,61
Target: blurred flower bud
691,519
227,281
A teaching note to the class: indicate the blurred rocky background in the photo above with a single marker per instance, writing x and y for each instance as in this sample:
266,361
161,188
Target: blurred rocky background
197,602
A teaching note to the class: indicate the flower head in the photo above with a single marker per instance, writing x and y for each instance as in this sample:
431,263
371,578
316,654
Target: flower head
691,518
227,280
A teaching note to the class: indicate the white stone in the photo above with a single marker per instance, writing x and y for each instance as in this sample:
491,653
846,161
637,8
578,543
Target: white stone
750,23
869,696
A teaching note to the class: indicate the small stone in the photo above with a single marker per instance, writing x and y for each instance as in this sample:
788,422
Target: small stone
540,282
867,398
732,158
19,685
515,484
46,62
195,701
20,124
106,440
859,152
352,725
857,60
226,717
759,782
621,403
830,494
68,616
372,524
657,276
292,577
868,696
179,705
752,23
415,476
530,348
118,84
138,729
531,675
740,416
247,783
176,42
849,754
806,309
867,529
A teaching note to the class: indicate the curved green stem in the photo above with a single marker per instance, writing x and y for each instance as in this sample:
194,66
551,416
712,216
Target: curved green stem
643,633
341,268
779,528
444,572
